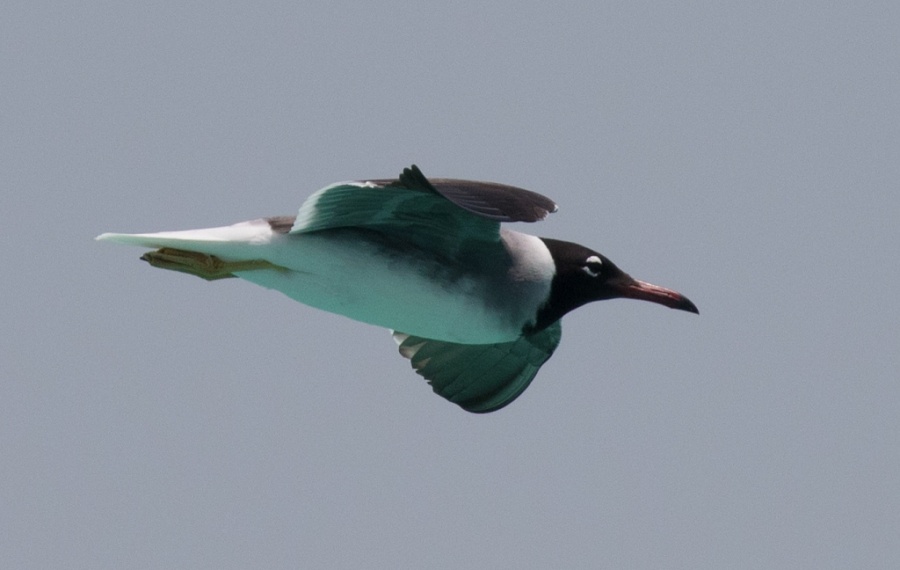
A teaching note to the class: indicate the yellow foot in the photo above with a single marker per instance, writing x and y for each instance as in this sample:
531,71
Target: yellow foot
208,267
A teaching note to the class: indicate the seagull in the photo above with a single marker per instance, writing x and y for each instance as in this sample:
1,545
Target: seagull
474,306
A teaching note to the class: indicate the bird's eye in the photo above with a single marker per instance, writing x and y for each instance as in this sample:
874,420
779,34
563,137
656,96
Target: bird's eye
592,266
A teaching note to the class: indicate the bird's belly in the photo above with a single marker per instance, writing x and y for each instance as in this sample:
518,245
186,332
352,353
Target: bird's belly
400,287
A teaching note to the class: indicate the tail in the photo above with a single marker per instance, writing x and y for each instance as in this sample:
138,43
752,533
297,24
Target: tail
224,241
211,253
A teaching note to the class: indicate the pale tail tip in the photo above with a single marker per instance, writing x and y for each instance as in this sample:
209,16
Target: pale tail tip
108,236
127,239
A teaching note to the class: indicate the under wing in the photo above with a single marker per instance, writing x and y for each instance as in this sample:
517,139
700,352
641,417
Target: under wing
480,378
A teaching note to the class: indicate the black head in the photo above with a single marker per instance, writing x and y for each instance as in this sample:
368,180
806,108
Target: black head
583,275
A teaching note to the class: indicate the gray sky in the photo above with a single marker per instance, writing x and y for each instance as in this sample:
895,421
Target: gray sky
746,154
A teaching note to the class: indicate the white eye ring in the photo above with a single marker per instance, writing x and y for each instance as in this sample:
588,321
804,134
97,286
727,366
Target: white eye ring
590,264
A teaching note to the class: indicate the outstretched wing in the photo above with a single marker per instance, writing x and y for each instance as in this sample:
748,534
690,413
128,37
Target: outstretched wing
480,378
443,215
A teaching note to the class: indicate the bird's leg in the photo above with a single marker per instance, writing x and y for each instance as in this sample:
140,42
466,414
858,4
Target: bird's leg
202,265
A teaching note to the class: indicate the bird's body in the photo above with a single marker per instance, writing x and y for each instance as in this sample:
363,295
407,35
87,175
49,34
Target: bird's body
475,307
364,276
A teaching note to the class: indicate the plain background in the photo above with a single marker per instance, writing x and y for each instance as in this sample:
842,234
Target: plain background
746,154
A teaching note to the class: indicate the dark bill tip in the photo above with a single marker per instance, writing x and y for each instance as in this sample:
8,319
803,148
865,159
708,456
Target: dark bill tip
687,305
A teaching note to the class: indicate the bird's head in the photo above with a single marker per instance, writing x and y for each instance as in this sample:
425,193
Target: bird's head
584,275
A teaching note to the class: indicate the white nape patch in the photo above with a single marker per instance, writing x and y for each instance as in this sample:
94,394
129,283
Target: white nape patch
592,260
531,260
363,184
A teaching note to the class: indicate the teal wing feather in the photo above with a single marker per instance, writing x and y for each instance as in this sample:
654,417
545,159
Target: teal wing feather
480,378
448,216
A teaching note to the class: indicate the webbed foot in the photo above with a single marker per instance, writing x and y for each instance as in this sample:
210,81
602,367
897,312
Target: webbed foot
202,265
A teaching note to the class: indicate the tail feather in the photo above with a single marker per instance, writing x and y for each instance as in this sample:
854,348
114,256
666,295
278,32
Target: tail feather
253,232
228,242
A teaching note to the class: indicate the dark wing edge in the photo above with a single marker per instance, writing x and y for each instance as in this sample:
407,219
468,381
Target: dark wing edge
498,202
480,378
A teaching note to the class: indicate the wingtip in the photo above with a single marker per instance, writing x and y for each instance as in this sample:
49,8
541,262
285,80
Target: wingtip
412,177
412,171
544,213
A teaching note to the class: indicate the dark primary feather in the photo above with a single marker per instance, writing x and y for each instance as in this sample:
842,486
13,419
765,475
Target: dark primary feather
496,201
490,200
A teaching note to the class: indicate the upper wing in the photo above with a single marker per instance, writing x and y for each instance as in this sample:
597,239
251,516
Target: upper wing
490,200
480,378
444,215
